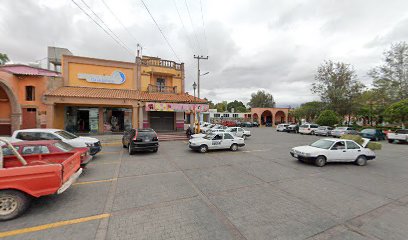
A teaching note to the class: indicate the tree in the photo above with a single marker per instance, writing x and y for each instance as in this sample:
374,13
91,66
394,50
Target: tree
397,112
3,58
211,105
392,76
327,118
238,106
311,110
337,86
221,107
261,99
371,106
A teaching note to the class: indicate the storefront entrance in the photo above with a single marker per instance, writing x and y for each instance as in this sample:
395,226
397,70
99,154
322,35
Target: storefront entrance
162,121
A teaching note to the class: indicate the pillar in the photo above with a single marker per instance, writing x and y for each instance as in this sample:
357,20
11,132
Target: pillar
101,123
135,117
141,117
50,115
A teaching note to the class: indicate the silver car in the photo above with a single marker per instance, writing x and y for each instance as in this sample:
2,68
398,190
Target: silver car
323,131
340,131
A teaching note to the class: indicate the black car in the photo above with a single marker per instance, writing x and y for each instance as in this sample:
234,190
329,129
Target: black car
292,128
144,139
255,124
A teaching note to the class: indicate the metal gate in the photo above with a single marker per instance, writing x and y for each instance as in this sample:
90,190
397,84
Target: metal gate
162,121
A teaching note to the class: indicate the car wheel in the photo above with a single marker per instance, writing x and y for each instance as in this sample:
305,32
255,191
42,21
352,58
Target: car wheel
234,147
320,161
312,133
130,150
361,161
155,150
203,148
12,204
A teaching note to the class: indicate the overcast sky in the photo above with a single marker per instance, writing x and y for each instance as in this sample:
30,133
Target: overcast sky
252,44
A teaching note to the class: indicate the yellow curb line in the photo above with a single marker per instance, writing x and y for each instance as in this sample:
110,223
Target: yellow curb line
52,225
97,181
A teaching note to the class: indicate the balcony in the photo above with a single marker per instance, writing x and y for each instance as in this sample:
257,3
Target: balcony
161,89
162,63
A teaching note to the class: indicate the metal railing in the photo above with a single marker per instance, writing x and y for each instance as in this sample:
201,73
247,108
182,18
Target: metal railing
161,63
161,89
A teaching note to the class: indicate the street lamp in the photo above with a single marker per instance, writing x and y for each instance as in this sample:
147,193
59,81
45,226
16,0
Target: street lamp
194,119
194,87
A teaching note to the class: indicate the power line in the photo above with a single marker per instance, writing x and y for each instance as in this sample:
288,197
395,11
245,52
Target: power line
120,22
100,19
182,24
102,27
158,27
205,34
192,25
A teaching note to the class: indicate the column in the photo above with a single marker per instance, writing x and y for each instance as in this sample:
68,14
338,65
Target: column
135,117
141,117
101,124
50,115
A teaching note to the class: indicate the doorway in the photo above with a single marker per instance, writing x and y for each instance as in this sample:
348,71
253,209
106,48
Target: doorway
29,118
83,121
162,121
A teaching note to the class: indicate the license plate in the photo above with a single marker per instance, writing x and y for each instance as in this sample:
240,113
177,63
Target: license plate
147,140
295,155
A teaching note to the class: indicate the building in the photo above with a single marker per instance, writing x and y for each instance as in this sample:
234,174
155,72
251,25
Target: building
273,116
215,116
104,96
21,91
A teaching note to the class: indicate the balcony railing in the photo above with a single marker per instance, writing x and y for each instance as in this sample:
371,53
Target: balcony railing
161,63
161,89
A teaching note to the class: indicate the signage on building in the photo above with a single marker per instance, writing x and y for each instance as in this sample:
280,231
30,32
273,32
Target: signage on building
117,77
176,107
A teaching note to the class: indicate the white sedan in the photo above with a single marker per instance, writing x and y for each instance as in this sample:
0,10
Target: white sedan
334,150
211,131
216,141
239,132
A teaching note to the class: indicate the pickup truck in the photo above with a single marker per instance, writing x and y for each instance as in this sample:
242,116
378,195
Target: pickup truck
399,135
36,175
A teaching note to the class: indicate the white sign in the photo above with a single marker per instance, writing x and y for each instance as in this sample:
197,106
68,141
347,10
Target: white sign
117,77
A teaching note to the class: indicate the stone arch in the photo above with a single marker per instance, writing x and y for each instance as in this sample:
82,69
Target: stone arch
280,117
255,117
266,118
15,115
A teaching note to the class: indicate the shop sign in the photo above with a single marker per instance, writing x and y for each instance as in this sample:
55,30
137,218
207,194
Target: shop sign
117,77
175,107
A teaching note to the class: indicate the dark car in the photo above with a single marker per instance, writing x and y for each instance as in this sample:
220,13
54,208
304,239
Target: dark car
142,139
293,128
246,124
255,124
373,134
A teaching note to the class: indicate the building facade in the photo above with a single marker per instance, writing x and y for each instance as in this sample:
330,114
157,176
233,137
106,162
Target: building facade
105,96
21,96
271,116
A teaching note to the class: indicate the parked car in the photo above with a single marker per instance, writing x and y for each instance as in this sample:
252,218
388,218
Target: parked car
46,147
210,131
206,127
141,139
239,132
35,134
399,135
246,124
373,134
216,141
323,131
33,176
292,128
255,124
308,128
340,131
282,127
334,150
229,123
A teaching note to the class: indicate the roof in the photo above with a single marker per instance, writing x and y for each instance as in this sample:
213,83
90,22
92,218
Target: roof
20,69
108,93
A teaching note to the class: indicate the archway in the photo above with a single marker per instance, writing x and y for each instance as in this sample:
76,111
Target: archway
255,118
10,117
279,117
266,118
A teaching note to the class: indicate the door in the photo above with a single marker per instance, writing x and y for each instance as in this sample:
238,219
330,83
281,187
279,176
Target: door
352,152
337,152
216,141
227,141
240,132
162,121
29,118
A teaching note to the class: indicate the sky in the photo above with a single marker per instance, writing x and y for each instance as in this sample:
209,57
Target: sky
272,45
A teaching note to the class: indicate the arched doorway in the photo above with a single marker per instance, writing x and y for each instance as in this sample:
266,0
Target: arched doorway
255,118
10,114
266,118
279,117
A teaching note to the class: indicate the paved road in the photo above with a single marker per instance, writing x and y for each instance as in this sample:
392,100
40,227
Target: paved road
259,192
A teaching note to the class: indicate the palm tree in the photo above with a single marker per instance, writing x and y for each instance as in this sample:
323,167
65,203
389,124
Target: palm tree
3,58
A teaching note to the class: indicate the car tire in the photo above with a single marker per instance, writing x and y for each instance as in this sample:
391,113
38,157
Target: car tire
361,160
312,133
320,161
12,204
130,150
234,147
155,150
203,149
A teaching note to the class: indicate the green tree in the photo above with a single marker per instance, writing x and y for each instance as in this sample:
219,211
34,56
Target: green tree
392,76
371,105
261,99
397,112
327,118
311,110
221,107
338,86
238,106
3,58
211,105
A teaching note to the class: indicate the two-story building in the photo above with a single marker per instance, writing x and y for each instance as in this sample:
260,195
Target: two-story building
103,96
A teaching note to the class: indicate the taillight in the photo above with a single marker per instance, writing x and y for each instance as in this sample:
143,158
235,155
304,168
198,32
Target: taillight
134,139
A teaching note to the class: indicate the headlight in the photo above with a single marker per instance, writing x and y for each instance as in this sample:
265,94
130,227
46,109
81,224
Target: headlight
307,154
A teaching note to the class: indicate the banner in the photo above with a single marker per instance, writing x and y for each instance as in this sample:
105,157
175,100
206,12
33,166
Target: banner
176,107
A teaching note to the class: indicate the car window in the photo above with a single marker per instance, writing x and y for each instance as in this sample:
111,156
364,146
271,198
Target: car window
66,135
217,137
402,131
304,126
35,149
324,144
29,136
65,147
352,145
8,152
47,136
228,136
240,130
313,126
368,131
339,146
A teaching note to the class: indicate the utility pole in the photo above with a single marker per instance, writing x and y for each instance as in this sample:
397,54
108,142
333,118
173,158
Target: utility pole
198,72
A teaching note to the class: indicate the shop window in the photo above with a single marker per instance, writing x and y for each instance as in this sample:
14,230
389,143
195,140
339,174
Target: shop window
187,118
30,93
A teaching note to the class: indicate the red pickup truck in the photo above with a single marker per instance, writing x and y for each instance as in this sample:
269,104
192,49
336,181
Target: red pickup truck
33,176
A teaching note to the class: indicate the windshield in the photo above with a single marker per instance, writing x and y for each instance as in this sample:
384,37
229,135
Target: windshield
341,128
368,131
66,135
65,147
324,144
322,128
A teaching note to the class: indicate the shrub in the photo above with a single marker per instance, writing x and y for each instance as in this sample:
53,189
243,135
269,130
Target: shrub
327,118
358,139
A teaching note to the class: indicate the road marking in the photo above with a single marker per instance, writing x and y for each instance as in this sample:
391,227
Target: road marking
97,181
52,225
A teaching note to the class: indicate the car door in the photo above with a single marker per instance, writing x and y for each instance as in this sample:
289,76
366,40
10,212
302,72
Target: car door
216,141
352,152
337,152
227,141
240,132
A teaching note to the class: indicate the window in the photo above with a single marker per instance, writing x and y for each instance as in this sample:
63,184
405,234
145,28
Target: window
28,136
352,145
338,146
161,83
217,137
235,115
225,115
240,130
216,115
65,147
187,118
228,136
8,152
30,93
249,115
35,150
48,136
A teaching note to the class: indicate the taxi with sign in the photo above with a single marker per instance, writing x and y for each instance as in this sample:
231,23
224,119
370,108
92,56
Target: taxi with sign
222,140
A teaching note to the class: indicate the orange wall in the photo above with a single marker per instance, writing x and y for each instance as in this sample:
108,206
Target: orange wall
75,68
40,84
5,109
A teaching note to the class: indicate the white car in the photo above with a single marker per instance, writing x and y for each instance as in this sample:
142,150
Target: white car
239,132
205,128
210,131
93,144
216,141
281,127
308,128
334,150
